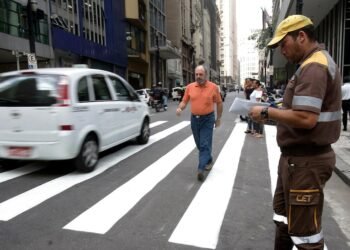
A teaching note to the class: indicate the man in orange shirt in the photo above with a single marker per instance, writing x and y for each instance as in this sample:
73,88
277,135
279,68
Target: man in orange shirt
203,94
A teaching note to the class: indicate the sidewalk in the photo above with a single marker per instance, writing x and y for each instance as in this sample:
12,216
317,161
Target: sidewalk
342,150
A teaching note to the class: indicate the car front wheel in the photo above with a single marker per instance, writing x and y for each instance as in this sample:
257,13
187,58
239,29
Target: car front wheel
145,133
87,158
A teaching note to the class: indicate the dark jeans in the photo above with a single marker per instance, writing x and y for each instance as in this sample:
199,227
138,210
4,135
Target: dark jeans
346,110
202,129
258,127
250,124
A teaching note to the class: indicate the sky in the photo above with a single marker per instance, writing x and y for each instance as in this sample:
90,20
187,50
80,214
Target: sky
249,15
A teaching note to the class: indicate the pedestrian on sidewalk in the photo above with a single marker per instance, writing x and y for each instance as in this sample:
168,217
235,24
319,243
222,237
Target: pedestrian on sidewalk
307,125
248,90
345,91
256,96
203,96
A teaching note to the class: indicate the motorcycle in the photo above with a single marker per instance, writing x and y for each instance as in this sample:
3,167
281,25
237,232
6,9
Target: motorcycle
158,105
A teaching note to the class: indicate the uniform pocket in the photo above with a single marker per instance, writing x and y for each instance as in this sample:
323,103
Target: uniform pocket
304,217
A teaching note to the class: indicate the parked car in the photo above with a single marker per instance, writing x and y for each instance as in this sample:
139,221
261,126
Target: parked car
176,93
67,113
144,95
222,93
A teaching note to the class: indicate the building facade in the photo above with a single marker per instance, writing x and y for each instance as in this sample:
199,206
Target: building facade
65,32
137,23
95,30
145,41
228,42
332,28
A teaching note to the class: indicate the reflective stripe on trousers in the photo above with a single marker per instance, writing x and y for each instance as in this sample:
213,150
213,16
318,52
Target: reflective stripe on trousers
300,240
280,218
307,239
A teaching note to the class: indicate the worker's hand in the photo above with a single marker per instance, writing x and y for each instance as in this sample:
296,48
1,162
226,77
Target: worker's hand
255,113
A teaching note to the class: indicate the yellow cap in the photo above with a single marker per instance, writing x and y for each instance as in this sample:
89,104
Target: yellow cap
289,24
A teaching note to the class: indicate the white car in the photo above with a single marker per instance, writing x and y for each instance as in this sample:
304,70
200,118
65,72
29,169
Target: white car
67,113
222,93
176,93
144,95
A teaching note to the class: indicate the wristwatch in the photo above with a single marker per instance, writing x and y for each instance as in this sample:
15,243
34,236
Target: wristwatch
264,114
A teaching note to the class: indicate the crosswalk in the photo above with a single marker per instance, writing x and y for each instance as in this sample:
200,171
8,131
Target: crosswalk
101,217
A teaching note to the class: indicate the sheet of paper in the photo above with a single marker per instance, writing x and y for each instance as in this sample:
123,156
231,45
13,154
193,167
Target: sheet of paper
242,106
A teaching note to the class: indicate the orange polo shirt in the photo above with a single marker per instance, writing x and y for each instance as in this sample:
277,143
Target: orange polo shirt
202,97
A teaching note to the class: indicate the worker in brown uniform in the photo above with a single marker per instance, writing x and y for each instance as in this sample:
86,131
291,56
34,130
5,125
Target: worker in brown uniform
307,124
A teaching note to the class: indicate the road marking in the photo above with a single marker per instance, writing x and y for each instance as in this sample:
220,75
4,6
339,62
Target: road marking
18,172
107,212
155,124
27,200
201,223
273,154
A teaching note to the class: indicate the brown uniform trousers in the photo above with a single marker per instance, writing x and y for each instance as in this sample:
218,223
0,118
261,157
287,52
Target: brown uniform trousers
299,198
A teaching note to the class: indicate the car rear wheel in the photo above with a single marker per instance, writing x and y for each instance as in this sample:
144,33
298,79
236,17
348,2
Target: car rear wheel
87,158
145,133
9,164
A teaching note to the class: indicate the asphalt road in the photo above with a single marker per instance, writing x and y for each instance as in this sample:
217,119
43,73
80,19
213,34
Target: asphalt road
148,197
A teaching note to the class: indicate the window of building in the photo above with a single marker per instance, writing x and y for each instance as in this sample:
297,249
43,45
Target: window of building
94,19
14,21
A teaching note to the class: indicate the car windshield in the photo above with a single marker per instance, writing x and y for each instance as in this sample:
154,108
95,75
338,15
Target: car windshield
28,90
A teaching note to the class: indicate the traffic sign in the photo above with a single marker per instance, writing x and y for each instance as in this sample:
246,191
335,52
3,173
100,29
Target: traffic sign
32,64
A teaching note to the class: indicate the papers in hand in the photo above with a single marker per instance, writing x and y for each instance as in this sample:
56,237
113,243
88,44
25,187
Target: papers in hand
241,106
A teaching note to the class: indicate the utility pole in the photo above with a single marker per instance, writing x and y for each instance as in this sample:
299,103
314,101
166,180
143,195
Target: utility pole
31,9
299,7
157,59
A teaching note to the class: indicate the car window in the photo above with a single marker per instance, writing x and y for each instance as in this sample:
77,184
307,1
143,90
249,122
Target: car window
140,92
121,91
100,87
31,90
83,90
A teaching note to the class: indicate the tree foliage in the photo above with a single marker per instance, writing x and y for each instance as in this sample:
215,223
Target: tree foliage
262,37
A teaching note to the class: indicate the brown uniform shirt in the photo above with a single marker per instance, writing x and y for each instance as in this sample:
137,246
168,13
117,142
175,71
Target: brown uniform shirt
202,97
315,87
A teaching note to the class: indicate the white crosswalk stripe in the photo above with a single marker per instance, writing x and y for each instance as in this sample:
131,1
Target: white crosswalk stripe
18,172
213,195
273,154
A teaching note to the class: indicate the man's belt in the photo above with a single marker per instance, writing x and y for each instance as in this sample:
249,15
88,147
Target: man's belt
305,150
200,116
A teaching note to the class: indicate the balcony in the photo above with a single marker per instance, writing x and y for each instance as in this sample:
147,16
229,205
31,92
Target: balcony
135,13
168,51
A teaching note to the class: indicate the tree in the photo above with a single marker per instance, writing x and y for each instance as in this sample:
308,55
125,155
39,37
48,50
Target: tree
262,37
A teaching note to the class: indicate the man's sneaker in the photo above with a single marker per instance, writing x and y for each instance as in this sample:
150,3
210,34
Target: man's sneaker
209,166
200,175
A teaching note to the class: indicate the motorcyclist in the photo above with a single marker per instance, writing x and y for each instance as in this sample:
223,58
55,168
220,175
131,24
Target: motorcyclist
160,95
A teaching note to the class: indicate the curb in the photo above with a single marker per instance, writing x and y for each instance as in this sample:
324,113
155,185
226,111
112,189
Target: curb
342,169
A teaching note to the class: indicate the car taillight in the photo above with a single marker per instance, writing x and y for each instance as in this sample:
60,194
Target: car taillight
66,127
63,93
